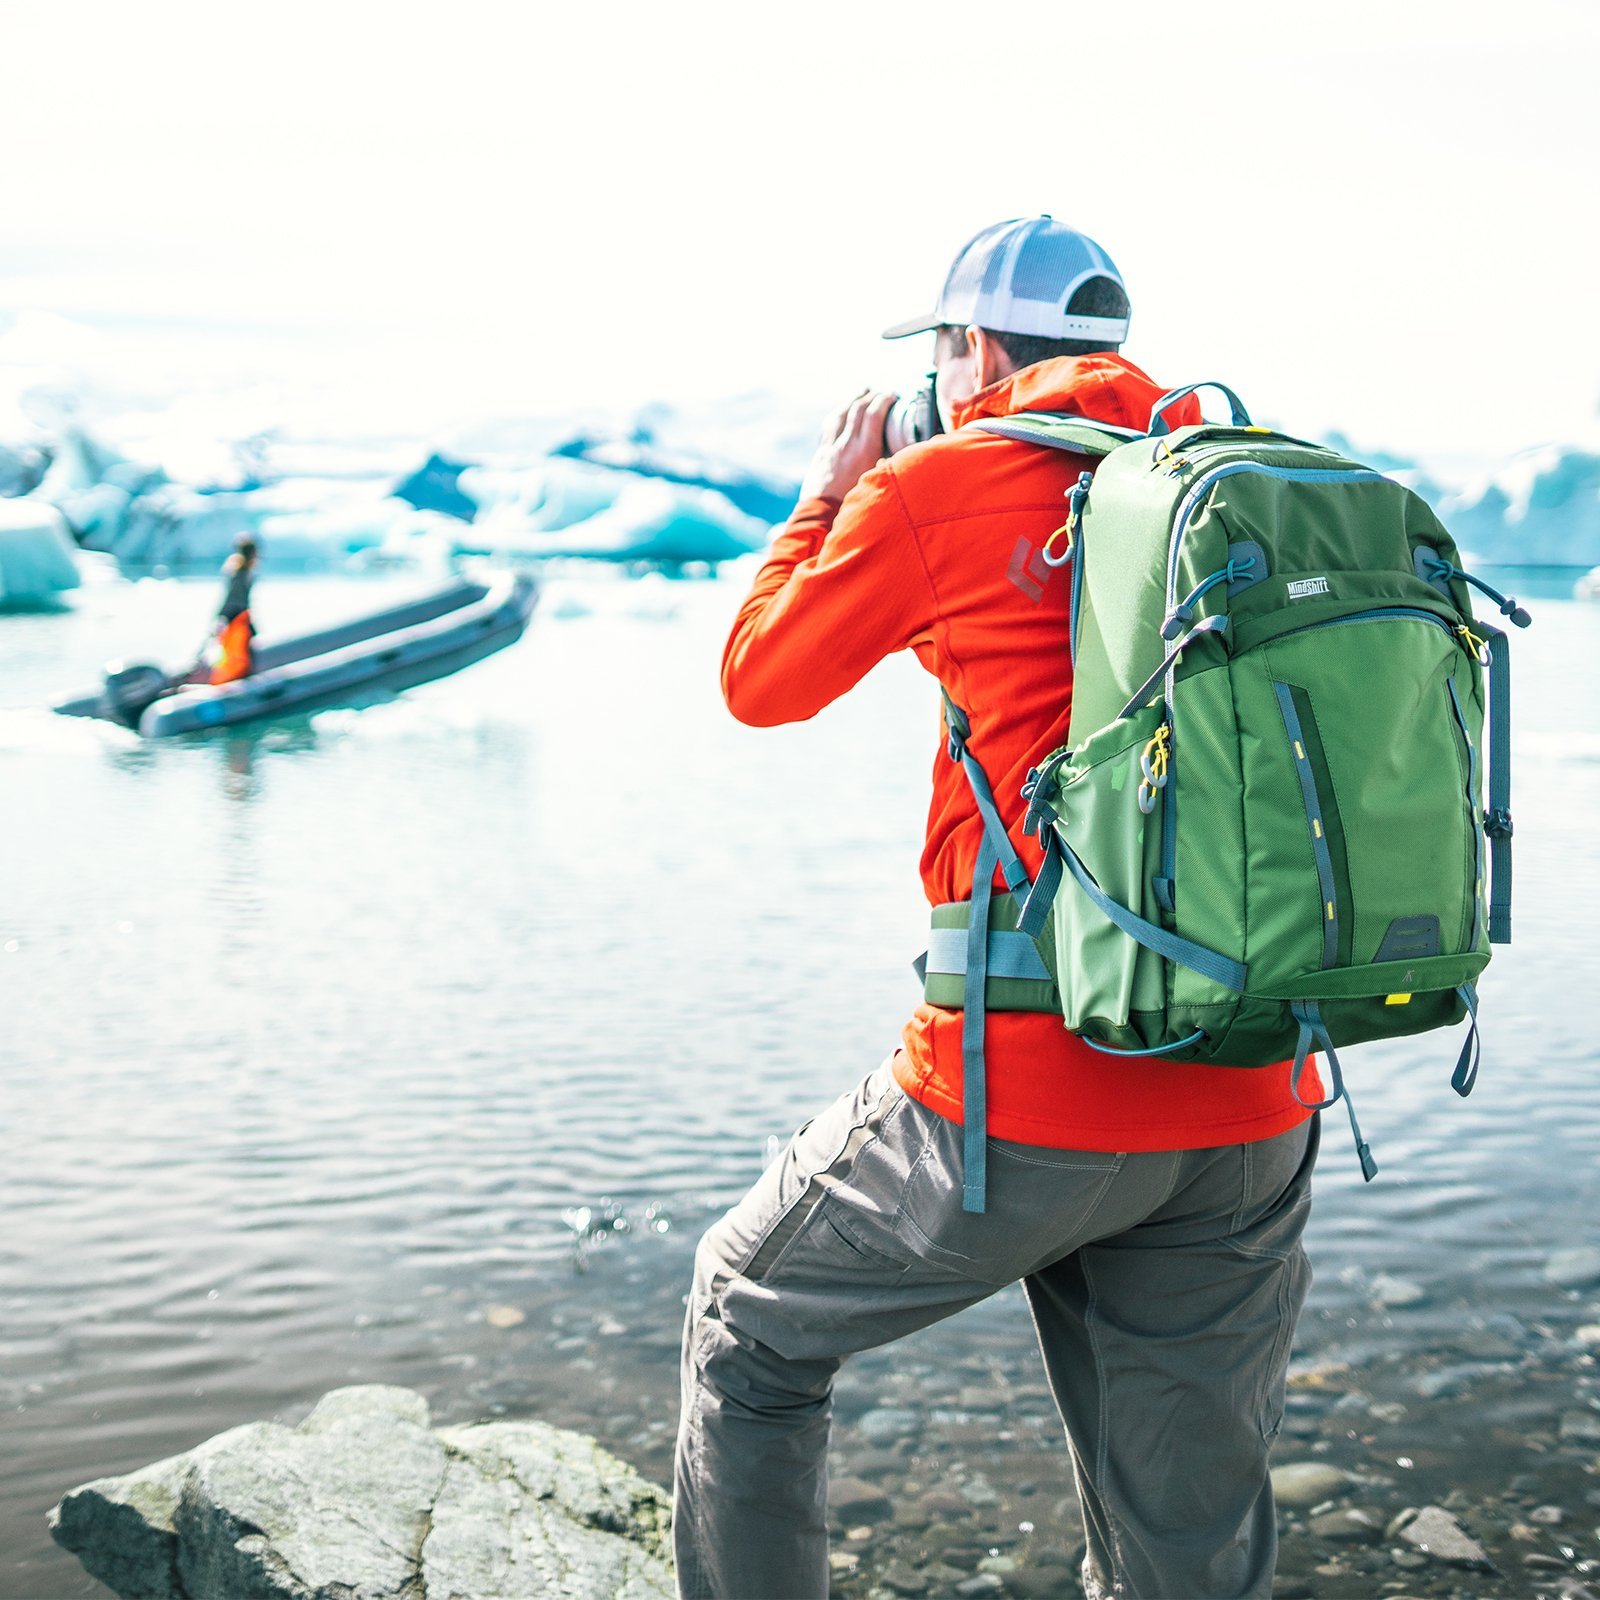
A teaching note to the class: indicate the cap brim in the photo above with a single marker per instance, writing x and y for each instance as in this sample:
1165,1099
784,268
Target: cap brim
923,324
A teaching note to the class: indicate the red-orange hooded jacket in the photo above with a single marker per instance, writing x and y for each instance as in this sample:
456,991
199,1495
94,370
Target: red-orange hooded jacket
939,550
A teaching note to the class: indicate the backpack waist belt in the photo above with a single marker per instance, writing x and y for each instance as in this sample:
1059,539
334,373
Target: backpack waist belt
1017,977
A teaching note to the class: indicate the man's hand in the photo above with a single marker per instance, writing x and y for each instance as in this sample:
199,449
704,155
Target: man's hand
852,444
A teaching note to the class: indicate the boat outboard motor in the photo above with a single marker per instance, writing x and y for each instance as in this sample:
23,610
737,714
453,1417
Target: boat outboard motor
130,688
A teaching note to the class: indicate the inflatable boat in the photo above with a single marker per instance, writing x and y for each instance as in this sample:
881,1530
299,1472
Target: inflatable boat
376,655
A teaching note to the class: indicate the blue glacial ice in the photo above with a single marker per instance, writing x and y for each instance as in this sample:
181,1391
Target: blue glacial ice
670,488
768,499
38,559
655,524
1541,508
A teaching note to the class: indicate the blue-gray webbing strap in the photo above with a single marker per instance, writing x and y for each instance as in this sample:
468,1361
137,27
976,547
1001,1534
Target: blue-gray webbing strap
1030,919
1472,799
1016,875
1466,1073
1313,1030
1497,819
1011,955
1212,624
974,1115
1208,963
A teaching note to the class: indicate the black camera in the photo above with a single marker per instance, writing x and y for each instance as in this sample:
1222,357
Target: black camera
912,418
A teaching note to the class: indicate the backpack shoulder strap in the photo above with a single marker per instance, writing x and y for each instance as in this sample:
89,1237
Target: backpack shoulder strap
1058,431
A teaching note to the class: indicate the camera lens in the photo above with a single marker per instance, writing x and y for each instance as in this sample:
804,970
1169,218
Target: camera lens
912,418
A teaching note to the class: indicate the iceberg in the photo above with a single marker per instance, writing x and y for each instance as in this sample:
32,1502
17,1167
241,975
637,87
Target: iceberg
38,559
22,467
300,522
1541,508
1537,508
436,486
552,494
648,523
770,500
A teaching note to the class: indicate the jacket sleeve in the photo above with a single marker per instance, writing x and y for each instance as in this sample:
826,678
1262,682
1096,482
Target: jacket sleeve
844,587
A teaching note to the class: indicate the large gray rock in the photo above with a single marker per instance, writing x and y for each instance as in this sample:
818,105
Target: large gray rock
1434,1532
364,1501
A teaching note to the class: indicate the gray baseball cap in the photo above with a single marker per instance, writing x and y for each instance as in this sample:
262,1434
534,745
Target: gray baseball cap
1017,277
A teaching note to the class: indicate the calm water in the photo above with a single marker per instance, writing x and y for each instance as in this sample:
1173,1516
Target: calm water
313,1035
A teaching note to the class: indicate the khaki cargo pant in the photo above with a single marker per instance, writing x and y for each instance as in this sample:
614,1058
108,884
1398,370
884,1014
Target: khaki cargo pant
1164,1289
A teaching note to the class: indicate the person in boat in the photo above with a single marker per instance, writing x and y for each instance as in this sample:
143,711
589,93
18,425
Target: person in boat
1153,1210
235,630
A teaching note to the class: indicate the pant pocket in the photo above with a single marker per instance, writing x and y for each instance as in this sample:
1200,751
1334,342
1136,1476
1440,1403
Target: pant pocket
1040,1202
1297,1282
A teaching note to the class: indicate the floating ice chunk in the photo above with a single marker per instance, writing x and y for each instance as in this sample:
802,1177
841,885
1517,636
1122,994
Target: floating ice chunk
552,494
96,515
768,498
436,486
37,555
22,467
1540,508
657,523
79,462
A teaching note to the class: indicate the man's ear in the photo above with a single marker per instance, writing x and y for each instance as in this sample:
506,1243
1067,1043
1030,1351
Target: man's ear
990,361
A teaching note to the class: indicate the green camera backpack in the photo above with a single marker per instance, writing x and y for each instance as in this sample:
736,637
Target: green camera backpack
1266,833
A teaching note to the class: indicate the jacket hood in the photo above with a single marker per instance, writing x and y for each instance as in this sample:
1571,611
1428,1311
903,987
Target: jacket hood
1106,387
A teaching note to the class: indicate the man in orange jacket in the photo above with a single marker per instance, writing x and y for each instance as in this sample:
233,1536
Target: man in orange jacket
1152,1210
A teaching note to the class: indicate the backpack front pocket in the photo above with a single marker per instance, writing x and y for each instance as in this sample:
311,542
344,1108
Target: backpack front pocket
1112,987
1354,737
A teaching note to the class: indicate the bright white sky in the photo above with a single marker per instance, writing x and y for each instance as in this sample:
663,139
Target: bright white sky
1376,216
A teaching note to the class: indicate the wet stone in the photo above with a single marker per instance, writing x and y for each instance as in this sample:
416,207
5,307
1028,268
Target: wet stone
1396,1292
1323,1375
943,1503
1501,1338
983,1397
1549,1516
1048,1583
902,1578
1580,1426
978,1491
888,1423
1355,1525
1410,1560
1448,1382
1573,1269
965,1556
981,1583
942,1577
1300,1485
856,1500
1436,1533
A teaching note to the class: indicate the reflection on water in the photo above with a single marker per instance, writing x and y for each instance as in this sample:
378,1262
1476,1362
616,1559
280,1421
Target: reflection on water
321,1040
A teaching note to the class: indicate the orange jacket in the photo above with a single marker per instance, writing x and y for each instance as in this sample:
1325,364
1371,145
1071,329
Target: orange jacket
938,551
